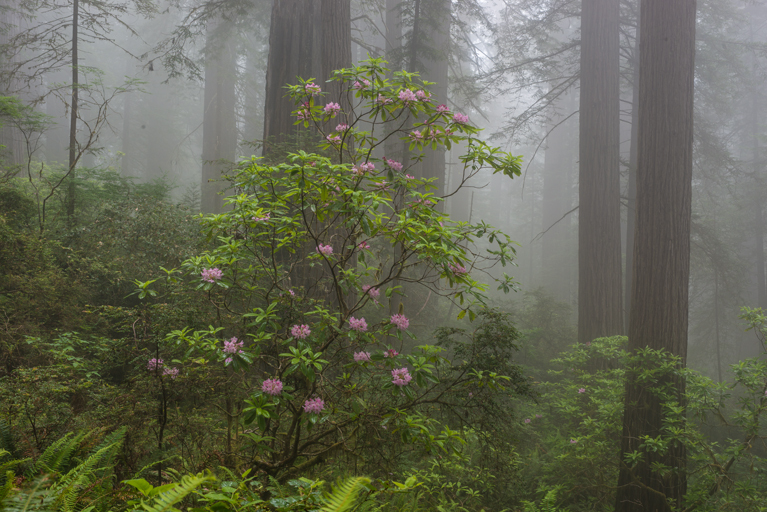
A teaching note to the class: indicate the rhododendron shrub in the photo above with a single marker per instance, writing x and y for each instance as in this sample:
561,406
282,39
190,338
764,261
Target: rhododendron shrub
309,271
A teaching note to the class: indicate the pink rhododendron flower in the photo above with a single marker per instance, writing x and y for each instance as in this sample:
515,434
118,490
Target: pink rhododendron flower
272,387
400,321
211,275
458,270
312,88
373,292
333,139
409,176
362,357
359,325
393,164
332,108
173,372
342,127
416,135
582,390
383,100
527,420
407,96
267,216
233,346
363,246
314,405
154,364
291,292
363,85
573,441
300,331
304,114
538,416
325,250
442,108
423,95
460,118
400,377
390,353
367,167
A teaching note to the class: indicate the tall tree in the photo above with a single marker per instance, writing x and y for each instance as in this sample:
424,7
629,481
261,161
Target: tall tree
600,311
659,306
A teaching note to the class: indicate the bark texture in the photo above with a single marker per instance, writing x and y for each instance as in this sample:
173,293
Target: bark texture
600,311
659,306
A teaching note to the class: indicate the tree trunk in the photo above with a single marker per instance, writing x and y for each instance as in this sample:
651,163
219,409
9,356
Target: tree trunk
632,185
600,311
73,153
219,128
659,305
12,150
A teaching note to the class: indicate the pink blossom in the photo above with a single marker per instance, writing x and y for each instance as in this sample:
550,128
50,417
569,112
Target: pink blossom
383,184
401,377
304,114
416,135
582,390
393,164
363,246
460,118
358,325
233,346
410,177
314,405
373,292
527,420
154,364
312,88
359,86
390,353
573,441
300,331
538,416
173,372
367,167
433,133
333,139
362,357
260,219
442,108
383,100
342,127
458,270
227,360
291,292
325,250
400,321
423,96
272,387
332,109
407,96
211,275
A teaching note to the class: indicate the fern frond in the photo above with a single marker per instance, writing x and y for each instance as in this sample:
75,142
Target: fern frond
165,501
36,498
56,457
6,441
344,495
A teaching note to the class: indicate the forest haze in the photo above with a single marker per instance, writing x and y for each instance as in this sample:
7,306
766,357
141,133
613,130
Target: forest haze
347,255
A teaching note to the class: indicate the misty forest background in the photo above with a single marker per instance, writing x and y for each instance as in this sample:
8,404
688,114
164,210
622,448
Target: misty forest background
124,121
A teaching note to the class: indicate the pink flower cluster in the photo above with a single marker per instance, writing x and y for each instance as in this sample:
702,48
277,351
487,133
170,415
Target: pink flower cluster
312,88
458,270
314,405
582,390
400,377
154,364
300,331
173,372
373,292
383,100
393,164
423,95
362,357
416,135
364,85
400,321
367,167
407,96
460,118
233,346
390,353
359,325
325,250
410,176
334,139
211,275
342,127
267,216
442,108
304,114
332,108
272,387
363,245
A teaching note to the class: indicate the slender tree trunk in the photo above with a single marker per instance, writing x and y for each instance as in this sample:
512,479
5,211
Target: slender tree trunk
600,311
716,326
632,185
659,305
219,129
12,151
73,153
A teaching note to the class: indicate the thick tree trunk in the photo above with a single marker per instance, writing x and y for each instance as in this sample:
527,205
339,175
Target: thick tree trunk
600,311
12,150
659,305
219,129
632,185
